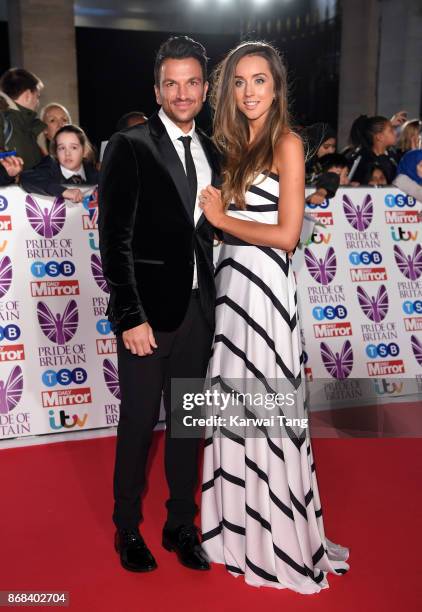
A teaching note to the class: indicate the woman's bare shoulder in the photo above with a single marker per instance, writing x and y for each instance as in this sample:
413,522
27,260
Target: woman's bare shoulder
290,140
289,147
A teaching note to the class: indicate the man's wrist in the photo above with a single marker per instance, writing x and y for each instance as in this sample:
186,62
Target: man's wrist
130,321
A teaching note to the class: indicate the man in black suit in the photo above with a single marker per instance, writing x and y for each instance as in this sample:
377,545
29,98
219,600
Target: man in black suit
156,250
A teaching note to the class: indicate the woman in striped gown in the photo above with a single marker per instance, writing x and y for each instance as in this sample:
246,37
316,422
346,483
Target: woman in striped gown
261,511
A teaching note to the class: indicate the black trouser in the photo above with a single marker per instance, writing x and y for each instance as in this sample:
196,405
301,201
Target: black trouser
183,353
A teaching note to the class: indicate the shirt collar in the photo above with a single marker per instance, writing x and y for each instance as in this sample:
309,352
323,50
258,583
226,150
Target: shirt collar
173,131
68,173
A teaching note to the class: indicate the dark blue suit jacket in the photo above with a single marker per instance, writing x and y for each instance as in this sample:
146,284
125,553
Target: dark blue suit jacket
46,178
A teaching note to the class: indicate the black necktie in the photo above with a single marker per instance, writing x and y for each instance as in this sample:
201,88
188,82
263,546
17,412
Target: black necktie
190,169
75,179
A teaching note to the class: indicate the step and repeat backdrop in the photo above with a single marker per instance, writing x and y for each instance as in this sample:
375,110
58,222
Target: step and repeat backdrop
359,276
57,352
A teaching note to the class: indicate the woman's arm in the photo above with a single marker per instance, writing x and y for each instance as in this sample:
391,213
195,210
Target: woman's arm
289,164
44,179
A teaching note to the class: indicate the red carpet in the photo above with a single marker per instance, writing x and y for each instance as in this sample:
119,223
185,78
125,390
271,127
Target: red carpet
56,532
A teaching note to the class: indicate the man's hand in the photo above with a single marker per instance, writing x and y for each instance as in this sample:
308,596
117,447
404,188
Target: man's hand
73,195
13,165
140,340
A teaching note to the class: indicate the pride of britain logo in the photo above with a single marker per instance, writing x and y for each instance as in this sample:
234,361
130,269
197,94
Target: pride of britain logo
5,275
59,328
46,222
375,307
323,270
97,273
359,216
409,265
111,378
338,364
11,390
417,349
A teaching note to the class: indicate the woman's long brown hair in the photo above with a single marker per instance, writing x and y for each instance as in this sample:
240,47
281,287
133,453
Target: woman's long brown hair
243,161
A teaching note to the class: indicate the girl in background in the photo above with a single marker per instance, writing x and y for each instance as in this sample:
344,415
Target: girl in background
375,176
320,139
71,162
376,137
410,137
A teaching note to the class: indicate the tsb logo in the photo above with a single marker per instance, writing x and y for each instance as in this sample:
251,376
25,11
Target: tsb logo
329,312
52,269
400,200
411,307
103,327
365,257
10,332
382,350
64,377
324,204
3,203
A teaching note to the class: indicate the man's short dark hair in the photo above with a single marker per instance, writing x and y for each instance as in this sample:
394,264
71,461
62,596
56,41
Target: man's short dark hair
17,80
332,160
125,119
180,47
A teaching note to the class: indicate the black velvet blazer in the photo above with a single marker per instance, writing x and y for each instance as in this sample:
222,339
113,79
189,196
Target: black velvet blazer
147,233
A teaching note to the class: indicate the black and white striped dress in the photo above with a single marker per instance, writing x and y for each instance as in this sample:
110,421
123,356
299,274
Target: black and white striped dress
261,511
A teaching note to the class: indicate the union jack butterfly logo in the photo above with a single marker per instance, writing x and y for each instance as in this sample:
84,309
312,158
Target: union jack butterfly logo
93,205
417,349
359,217
409,265
322,270
5,275
374,306
111,378
97,272
11,390
59,328
339,365
47,223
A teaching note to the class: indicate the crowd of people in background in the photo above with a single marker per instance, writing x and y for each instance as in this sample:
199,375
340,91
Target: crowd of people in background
380,152
48,155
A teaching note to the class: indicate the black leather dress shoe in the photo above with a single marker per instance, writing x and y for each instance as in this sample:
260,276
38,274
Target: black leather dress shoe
134,553
185,543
